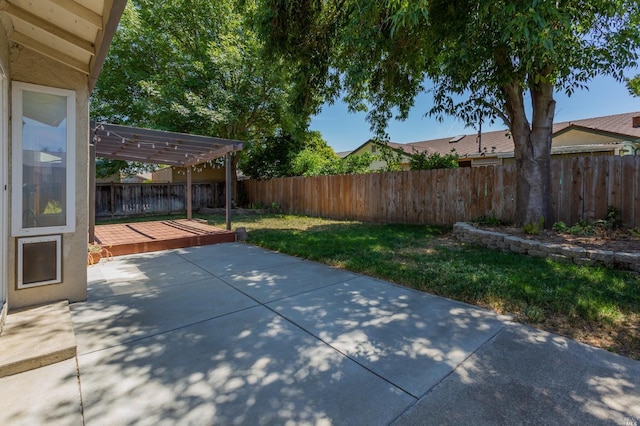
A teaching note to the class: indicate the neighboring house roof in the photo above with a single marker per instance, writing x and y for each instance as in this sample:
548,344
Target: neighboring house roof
618,126
343,154
77,34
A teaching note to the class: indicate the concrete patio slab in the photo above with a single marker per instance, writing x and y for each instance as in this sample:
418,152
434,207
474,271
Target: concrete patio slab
410,338
276,282
252,261
250,367
217,250
147,260
124,318
331,348
156,273
45,396
127,278
527,376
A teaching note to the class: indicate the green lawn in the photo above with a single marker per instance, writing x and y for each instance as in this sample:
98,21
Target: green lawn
594,305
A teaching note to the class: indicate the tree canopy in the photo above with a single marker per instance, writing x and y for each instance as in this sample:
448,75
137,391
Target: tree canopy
194,66
634,85
484,58
282,155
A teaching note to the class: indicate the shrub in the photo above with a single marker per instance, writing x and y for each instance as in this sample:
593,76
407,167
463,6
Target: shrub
582,228
487,220
424,161
533,228
560,227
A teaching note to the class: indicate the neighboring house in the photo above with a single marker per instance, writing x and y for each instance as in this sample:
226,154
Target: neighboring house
200,174
610,135
51,54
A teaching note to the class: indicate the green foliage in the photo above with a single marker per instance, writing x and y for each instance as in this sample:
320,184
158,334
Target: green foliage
483,57
286,155
309,162
602,227
391,157
385,49
270,157
607,226
560,227
106,167
314,163
582,228
533,228
532,289
194,66
633,84
357,164
487,220
275,207
52,207
425,161
613,217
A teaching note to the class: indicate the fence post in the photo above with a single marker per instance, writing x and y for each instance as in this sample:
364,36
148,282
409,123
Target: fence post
228,190
112,199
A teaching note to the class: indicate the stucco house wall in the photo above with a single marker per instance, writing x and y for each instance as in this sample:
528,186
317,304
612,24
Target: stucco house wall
199,174
374,149
576,137
29,67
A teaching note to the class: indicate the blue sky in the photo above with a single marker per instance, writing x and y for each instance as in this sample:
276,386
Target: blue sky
345,131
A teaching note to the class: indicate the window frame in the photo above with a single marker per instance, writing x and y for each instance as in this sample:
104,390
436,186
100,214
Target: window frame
17,230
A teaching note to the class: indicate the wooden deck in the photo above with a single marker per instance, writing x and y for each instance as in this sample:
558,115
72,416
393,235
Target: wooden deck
143,237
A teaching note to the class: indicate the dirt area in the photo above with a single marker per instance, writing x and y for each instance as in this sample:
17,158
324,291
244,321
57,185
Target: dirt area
620,240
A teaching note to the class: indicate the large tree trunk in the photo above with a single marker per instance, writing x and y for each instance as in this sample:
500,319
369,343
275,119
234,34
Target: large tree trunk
532,152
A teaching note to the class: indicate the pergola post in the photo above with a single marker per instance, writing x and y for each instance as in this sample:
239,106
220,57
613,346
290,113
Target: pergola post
161,147
189,192
92,192
228,190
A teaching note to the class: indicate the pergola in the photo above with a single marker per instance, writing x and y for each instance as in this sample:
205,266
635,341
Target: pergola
158,147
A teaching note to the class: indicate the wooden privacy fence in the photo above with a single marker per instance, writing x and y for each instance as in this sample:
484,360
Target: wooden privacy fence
581,188
132,199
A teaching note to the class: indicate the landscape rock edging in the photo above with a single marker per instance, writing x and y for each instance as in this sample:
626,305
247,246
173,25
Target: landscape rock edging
467,233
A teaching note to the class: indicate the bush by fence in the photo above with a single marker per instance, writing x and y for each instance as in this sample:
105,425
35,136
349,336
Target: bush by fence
131,199
582,188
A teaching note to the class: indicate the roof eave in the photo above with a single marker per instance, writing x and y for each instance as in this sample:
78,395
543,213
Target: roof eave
104,39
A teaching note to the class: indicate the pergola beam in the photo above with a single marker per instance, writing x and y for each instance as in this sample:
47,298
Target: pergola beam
220,152
161,147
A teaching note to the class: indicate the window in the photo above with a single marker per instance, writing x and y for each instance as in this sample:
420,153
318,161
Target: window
43,159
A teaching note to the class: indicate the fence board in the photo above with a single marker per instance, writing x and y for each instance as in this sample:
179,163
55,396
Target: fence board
581,188
124,200
562,185
627,188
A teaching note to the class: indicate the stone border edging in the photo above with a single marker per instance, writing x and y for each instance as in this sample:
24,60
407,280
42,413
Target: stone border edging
467,233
